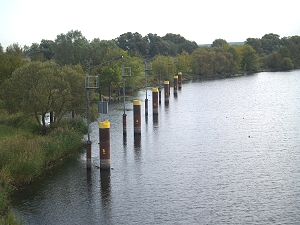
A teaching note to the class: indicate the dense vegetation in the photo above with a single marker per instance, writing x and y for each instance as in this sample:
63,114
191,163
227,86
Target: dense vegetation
25,155
50,77
168,54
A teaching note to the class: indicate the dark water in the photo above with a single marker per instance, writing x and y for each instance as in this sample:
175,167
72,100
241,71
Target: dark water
223,152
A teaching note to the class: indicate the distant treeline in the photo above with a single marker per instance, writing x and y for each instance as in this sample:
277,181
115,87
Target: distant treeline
168,54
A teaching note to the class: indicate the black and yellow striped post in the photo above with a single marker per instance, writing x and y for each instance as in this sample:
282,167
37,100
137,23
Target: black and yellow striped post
179,80
137,116
175,85
155,101
104,137
167,92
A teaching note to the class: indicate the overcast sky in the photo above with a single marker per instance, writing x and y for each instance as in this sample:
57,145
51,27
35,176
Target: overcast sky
30,21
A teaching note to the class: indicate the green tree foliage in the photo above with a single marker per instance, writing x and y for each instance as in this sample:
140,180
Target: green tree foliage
134,43
270,43
221,43
9,61
203,61
157,45
71,48
163,67
180,44
256,44
99,51
41,87
184,62
249,58
218,60
39,52
153,45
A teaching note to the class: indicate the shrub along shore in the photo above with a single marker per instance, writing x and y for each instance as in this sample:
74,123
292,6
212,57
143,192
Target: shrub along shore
25,155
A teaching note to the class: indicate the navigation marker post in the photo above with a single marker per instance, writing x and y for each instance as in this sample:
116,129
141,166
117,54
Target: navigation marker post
92,82
126,72
148,67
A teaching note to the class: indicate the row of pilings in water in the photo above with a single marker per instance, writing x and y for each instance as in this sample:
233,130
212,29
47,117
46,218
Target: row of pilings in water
104,127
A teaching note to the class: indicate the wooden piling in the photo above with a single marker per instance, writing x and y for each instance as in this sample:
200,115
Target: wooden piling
175,85
179,80
155,101
137,116
166,90
104,137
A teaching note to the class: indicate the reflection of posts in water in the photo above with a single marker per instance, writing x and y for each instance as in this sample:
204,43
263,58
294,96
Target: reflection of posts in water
105,190
179,80
159,96
137,116
166,90
104,137
155,101
88,155
175,85
155,119
124,124
137,147
146,106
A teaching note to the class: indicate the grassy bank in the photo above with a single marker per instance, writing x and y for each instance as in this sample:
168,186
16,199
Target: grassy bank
25,155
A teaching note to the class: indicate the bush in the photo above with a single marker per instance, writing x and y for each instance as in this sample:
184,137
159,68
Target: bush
25,156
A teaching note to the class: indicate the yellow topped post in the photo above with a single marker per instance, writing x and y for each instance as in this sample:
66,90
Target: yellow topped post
155,101
104,147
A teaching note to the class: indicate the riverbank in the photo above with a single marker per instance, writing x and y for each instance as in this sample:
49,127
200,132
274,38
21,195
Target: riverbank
25,155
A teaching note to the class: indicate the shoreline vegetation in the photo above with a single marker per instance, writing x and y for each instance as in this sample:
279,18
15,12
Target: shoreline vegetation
51,76
26,155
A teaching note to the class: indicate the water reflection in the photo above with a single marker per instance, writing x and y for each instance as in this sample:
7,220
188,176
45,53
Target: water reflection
124,139
155,120
137,147
105,186
106,194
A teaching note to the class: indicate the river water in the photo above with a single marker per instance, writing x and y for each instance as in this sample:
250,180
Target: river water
222,152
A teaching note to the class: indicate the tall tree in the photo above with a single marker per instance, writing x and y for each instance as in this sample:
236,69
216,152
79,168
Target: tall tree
134,43
184,62
270,43
220,43
256,44
71,48
249,58
10,61
41,87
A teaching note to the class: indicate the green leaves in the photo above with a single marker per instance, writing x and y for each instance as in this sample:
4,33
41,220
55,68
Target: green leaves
41,87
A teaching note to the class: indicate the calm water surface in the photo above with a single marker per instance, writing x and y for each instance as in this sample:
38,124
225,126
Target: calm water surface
223,152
